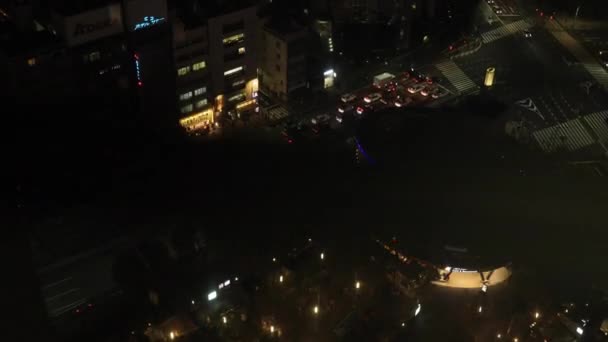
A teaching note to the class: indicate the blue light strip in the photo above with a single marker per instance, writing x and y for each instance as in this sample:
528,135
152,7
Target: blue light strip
369,159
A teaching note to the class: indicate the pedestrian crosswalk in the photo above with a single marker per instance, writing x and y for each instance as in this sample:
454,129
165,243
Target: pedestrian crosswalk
505,30
569,136
585,58
276,113
598,122
457,77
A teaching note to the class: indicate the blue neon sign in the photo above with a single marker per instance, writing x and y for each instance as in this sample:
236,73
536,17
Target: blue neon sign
148,21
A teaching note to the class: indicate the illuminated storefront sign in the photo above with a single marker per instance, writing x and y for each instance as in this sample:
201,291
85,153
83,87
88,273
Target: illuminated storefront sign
198,120
138,70
89,25
148,21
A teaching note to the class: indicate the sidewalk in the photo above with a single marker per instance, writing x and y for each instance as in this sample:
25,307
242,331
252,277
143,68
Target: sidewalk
587,60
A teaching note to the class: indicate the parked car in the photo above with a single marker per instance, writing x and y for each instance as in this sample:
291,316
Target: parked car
373,97
416,88
348,98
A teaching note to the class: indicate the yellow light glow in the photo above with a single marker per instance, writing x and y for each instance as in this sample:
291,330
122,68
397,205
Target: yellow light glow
315,309
281,279
224,319
322,256
490,74
197,120
357,285
272,328
172,335
245,104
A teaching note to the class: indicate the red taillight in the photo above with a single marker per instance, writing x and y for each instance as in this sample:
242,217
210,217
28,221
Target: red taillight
290,141
139,83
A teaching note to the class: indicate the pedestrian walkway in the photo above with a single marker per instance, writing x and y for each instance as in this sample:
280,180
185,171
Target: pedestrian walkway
504,31
570,136
457,77
598,124
580,53
276,113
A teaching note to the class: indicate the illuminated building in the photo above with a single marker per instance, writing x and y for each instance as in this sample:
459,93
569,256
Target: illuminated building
283,56
214,49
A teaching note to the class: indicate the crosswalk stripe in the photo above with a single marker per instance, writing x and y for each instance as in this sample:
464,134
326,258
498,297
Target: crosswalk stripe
581,54
597,122
505,30
456,76
570,135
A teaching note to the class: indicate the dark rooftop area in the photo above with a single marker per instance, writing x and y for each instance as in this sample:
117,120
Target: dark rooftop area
73,7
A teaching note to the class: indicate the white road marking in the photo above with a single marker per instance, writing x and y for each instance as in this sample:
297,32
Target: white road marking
504,31
48,299
56,283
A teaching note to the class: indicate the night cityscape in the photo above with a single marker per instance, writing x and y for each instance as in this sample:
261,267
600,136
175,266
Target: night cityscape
305,170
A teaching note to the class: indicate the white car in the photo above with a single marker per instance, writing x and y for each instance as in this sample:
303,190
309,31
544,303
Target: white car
345,109
348,98
439,93
320,119
403,102
373,97
415,88
427,91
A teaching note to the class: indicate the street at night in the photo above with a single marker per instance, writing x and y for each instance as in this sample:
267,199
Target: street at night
253,170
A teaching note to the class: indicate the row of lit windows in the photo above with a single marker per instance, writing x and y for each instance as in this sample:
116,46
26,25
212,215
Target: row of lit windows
237,38
187,95
189,108
195,67
233,71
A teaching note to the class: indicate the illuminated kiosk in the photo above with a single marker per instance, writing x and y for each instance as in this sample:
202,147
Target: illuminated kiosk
459,269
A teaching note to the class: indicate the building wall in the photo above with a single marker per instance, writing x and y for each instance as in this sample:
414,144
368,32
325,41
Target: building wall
225,56
283,62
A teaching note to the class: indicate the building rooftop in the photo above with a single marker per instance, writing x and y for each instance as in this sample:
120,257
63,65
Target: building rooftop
194,13
16,43
73,7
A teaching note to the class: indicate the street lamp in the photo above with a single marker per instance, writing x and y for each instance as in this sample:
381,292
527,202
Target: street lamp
315,310
536,315
281,279
357,285
322,256
224,319
272,329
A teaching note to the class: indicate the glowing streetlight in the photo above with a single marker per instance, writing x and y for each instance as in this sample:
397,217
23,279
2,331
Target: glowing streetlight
484,288
315,310
272,329
357,285
516,340
322,256
499,336
224,319
536,315
280,279
193,302
172,335
402,324
480,309
274,259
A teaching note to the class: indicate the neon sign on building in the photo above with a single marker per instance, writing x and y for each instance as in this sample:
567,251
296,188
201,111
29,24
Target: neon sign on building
138,70
148,21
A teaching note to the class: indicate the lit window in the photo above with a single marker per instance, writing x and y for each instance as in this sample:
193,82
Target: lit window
201,103
186,109
237,97
232,71
234,39
241,50
200,91
198,66
183,71
185,96
238,83
94,56
31,61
